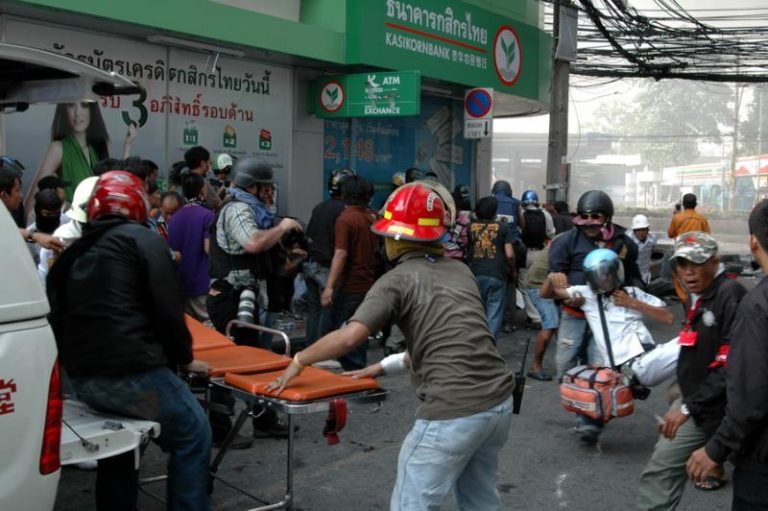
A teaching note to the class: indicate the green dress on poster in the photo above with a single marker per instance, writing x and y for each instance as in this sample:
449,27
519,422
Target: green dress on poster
74,166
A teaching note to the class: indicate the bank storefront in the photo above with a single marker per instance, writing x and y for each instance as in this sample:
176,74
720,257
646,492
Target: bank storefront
245,78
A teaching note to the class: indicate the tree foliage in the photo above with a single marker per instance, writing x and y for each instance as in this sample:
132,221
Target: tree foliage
750,131
664,121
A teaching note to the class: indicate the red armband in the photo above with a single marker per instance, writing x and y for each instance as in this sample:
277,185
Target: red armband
721,359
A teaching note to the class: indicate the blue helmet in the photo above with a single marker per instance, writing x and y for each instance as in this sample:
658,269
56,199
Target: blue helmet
530,197
604,270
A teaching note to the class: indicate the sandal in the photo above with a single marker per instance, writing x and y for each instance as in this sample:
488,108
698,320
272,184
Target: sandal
711,483
539,375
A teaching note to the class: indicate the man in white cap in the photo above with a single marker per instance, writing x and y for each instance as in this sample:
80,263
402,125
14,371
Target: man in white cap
645,242
70,231
224,164
704,343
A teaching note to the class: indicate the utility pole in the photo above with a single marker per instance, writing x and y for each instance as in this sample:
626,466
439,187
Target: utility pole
759,141
557,147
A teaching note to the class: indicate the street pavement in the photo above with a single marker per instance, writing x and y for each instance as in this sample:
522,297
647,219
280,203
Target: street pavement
542,466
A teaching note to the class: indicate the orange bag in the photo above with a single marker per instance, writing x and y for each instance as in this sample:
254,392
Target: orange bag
596,392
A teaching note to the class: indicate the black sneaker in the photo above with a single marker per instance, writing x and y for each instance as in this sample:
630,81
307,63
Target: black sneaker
588,434
274,430
239,442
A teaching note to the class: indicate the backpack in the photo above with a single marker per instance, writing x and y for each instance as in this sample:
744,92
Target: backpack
535,232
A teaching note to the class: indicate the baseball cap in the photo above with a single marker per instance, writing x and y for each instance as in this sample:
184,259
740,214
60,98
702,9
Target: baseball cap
51,183
223,161
695,246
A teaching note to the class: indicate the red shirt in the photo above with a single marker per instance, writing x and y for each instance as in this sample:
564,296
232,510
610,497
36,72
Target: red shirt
353,234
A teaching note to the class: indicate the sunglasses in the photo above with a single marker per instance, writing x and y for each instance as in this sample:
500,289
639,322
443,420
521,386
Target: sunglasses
591,216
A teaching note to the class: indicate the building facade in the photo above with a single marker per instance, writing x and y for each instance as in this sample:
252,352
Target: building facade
245,77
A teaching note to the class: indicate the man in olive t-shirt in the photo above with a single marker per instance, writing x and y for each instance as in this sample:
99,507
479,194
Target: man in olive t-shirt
464,385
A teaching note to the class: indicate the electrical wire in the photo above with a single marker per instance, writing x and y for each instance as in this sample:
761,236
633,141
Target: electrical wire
578,126
668,41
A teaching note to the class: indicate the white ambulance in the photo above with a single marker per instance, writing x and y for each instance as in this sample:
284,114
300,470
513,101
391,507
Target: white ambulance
32,446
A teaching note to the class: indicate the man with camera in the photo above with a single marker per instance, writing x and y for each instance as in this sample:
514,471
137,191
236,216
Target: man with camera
241,257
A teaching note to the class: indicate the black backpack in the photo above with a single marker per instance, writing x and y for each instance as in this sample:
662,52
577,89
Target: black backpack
535,233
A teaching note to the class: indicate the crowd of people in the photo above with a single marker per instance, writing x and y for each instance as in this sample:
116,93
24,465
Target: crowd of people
123,261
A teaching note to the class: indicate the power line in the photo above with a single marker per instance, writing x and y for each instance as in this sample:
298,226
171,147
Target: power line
669,41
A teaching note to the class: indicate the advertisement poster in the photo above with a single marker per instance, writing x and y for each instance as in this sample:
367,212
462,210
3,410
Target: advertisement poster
225,104
377,148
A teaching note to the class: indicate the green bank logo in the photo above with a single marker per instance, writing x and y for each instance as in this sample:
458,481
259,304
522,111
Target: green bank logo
229,138
507,55
190,134
332,96
265,140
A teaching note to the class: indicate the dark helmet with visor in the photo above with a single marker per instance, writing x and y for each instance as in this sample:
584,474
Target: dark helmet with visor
335,179
595,201
502,187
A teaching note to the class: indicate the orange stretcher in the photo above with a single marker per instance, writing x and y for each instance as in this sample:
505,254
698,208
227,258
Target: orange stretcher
245,371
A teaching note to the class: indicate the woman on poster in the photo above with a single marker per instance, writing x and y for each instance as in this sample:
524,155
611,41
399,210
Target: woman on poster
79,140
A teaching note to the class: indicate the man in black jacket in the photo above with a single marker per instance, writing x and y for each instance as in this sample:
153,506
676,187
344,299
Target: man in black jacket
316,268
743,431
693,419
118,315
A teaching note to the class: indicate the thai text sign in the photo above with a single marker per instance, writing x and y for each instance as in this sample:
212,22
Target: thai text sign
371,94
236,106
449,40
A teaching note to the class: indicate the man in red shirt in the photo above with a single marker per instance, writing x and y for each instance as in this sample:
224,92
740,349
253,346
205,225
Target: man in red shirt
353,265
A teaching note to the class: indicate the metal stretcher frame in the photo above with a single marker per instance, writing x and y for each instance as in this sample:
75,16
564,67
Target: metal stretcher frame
241,418
290,408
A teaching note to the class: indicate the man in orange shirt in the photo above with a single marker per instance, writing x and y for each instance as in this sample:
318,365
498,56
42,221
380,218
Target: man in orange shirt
688,219
685,221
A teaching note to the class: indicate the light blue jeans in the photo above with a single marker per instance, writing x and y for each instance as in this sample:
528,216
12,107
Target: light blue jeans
573,337
574,341
493,292
457,454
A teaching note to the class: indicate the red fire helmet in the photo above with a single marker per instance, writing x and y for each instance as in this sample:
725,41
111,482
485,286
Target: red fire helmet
119,193
414,213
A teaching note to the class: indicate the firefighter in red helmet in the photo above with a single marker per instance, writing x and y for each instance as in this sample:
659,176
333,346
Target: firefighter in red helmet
118,315
465,386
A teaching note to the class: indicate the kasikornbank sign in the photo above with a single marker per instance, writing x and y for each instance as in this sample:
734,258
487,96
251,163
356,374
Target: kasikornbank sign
448,40
371,94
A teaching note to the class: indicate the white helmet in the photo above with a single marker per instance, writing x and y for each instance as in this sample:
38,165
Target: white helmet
80,200
640,222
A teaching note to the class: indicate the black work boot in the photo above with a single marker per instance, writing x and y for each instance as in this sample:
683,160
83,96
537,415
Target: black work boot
267,425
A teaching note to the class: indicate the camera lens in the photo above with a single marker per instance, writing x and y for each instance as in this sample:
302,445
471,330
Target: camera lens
246,309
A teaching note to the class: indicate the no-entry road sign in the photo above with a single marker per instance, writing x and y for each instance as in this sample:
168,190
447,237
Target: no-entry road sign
478,103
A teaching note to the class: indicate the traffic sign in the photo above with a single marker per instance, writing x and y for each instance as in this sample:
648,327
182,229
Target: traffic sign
478,128
478,103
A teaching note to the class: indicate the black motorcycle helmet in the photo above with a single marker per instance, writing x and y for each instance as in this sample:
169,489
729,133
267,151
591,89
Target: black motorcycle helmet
462,197
252,171
595,201
502,187
413,174
335,179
